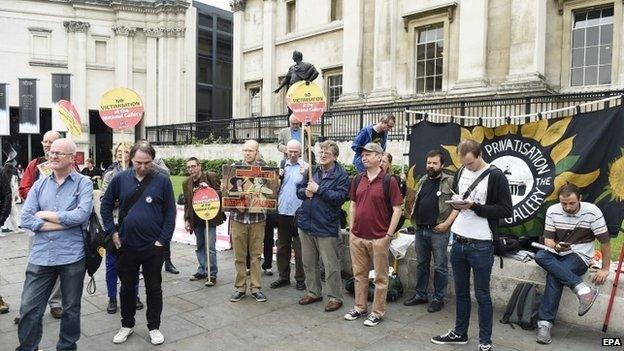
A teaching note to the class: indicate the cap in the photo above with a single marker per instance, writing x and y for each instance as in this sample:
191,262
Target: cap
373,147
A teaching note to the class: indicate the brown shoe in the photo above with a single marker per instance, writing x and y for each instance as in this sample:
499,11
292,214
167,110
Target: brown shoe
56,312
4,307
306,300
333,305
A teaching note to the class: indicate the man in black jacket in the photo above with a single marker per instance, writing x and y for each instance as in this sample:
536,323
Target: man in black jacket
482,198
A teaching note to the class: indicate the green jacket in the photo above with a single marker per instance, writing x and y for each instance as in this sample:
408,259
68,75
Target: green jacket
446,184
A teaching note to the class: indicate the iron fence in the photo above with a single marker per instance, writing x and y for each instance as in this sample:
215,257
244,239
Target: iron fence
344,124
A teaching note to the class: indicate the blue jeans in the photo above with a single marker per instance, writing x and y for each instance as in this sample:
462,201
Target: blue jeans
111,276
199,228
427,242
479,256
37,289
562,271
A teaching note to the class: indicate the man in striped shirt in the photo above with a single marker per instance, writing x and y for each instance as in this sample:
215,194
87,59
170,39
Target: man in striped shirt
570,229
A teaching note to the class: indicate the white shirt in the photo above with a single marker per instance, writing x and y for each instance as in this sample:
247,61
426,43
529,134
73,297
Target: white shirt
467,223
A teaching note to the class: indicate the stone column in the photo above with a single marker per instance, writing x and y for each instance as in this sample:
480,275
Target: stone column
268,58
151,75
471,70
123,61
179,115
77,64
353,22
527,52
238,7
163,93
384,52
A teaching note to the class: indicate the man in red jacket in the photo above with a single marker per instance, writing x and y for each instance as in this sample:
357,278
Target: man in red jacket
31,174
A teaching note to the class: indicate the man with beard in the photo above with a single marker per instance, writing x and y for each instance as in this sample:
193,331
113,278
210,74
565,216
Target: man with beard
432,218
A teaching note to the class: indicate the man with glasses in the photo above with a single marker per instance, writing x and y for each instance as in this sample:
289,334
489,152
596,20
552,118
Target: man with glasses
146,224
56,209
374,133
31,174
318,219
194,225
293,132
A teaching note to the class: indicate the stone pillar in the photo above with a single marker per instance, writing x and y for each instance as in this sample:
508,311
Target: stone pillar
384,52
77,64
238,7
353,22
123,61
151,75
268,58
180,114
163,93
527,52
471,70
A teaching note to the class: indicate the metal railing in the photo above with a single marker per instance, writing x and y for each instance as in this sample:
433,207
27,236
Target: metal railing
344,124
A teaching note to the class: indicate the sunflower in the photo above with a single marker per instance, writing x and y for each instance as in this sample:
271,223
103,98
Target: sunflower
616,180
549,136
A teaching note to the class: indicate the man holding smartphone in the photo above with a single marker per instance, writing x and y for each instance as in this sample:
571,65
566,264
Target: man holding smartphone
570,229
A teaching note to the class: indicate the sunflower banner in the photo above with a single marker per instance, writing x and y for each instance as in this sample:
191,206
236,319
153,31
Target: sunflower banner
538,158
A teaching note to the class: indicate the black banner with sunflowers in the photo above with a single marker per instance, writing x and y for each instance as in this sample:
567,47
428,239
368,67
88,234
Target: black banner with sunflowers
538,158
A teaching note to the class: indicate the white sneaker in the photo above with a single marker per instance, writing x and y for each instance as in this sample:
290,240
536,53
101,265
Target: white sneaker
156,337
122,335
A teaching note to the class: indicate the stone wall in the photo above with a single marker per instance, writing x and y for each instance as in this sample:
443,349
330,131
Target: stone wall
269,151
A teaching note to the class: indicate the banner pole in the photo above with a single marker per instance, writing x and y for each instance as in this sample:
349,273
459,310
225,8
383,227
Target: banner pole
405,149
309,149
206,236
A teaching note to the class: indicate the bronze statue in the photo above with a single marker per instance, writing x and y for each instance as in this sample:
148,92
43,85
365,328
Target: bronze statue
299,71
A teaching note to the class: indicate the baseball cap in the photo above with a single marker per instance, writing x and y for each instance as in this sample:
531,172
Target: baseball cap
373,147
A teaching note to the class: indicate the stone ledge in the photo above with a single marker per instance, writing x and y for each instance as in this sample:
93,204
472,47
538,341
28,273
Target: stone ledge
504,281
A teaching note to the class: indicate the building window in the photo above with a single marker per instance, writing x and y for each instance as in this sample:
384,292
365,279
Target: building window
334,88
291,16
592,43
100,51
336,10
255,101
429,57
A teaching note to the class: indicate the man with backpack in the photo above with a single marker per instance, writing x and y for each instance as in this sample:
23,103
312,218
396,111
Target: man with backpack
570,228
319,225
482,198
432,217
57,208
292,170
372,229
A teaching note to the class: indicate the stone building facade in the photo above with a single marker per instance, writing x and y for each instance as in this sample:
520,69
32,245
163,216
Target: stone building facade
147,45
372,52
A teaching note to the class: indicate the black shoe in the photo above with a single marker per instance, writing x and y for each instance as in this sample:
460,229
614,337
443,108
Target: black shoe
198,276
450,338
259,296
139,304
435,306
169,267
300,285
112,306
237,296
279,283
415,300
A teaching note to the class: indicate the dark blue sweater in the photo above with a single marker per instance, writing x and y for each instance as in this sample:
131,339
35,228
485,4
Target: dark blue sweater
151,219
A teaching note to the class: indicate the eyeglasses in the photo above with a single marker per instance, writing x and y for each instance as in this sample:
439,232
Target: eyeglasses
57,153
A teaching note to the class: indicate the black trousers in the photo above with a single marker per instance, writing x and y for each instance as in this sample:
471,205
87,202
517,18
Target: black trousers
128,263
269,241
287,240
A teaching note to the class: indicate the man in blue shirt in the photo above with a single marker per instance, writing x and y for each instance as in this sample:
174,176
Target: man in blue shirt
145,226
56,209
287,204
374,133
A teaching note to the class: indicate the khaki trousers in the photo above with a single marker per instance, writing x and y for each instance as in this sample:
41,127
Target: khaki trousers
363,251
247,238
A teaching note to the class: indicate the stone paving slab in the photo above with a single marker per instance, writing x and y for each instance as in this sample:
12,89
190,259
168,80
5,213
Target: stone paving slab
196,317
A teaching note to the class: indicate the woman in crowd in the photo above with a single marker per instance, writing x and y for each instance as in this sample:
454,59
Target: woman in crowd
9,174
5,209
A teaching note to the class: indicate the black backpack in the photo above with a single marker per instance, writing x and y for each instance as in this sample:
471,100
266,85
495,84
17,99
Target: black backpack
522,307
386,190
95,241
395,288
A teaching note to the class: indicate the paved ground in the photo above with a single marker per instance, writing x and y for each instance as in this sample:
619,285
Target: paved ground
196,317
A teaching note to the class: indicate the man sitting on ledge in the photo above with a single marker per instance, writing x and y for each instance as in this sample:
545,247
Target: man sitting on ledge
570,229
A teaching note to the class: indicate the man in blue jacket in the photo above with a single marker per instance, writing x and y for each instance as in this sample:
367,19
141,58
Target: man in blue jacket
146,224
319,226
374,133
